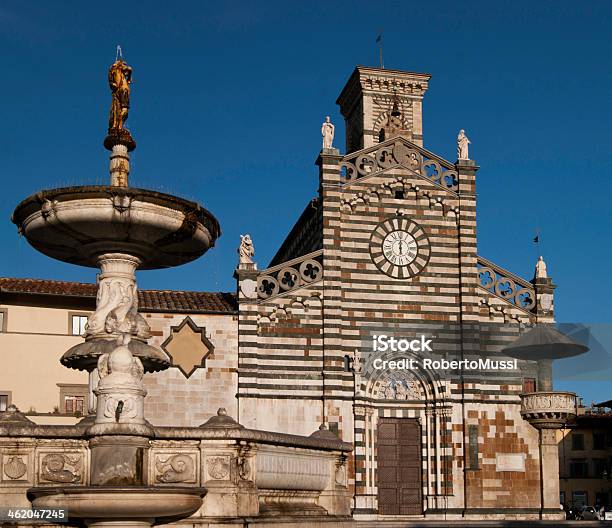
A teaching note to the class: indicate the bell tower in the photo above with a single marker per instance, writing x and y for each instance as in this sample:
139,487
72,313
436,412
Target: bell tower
376,102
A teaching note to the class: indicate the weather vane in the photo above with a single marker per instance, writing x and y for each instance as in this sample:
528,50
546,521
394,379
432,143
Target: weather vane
379,41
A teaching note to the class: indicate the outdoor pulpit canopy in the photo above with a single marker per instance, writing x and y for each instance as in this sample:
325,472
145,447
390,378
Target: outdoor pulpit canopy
543,343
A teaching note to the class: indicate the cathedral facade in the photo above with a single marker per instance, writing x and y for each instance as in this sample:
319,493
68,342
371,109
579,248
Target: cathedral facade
389,247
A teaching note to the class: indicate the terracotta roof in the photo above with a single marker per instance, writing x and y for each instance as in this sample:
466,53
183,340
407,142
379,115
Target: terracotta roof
148,300
47,287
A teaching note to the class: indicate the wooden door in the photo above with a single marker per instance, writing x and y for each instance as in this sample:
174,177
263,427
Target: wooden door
399,466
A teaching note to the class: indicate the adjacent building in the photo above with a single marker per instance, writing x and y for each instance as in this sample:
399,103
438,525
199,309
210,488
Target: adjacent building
585,458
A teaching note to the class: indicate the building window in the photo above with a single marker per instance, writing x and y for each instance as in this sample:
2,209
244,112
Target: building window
600,467
73,398
599,440
577,441
562,497
74,404
3,314
77,324
578,468
529,385
473,446
5,401
579,498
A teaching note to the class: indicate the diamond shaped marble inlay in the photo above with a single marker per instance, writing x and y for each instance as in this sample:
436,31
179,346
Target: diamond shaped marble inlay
188,346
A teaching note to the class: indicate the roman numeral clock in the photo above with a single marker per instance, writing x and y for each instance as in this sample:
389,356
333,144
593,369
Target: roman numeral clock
399,247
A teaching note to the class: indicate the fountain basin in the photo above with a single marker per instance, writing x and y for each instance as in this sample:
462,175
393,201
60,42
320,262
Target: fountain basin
78,224
107,506
84,356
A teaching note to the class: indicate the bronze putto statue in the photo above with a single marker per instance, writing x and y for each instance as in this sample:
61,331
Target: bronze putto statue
119,80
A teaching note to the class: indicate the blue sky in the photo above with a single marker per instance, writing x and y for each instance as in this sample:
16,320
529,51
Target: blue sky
228,99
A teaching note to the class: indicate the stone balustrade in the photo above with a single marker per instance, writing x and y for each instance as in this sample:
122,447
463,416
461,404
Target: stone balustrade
506,285
290,275
548,410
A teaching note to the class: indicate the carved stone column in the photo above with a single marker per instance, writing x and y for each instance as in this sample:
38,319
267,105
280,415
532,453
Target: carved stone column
116,307
119,166
117,300
547,412
120,392
120,434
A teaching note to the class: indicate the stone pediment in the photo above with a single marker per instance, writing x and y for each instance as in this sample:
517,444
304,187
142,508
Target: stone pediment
400,152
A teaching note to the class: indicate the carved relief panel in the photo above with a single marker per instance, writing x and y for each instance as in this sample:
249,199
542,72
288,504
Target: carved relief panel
217,467
66,467
174,466
16,468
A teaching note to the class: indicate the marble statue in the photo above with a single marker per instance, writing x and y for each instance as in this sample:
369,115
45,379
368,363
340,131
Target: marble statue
246,251
357,365
388,390
119,367
120,392
119,80
540,270
462,146
117,300
327,131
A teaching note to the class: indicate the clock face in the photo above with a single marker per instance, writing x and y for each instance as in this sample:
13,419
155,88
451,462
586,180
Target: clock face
399,247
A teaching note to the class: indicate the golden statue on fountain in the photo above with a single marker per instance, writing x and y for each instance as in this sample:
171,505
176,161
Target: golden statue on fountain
119,80
119,140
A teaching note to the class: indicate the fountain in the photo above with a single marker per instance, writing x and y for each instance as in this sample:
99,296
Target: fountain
118,229
114,468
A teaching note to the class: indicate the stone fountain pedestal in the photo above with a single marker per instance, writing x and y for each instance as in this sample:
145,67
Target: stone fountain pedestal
117,229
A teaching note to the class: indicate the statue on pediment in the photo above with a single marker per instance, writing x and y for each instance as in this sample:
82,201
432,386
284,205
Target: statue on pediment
327,131
463,146
246,251
540,270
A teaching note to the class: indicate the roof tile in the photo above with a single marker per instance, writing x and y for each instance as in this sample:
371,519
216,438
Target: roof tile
148,300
